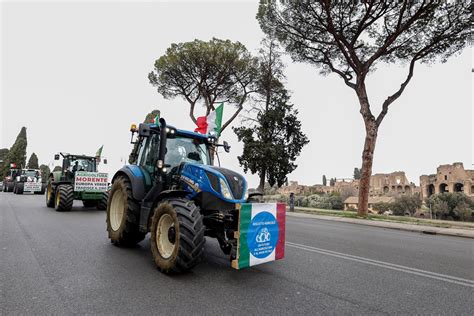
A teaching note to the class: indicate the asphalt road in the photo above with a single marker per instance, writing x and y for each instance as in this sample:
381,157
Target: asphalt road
63,263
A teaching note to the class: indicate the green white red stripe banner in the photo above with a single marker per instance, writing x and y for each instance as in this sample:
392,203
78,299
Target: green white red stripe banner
261,234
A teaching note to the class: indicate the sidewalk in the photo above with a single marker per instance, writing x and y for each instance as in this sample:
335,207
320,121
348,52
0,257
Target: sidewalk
458,232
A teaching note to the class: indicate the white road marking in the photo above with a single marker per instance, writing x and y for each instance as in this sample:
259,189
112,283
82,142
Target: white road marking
387,265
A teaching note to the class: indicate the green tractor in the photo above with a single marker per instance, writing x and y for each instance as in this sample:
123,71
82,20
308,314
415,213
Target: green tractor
78,179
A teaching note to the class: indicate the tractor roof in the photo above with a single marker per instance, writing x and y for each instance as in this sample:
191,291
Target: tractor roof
184,133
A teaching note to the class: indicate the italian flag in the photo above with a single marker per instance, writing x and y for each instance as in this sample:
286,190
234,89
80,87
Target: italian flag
211,123
261,236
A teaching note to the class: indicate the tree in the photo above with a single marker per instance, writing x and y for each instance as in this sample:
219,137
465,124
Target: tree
406,204
33,162
213,72
57,168
451,205
17,153
3,154
325,181
273,139
45,171
356,174
332,182
350,38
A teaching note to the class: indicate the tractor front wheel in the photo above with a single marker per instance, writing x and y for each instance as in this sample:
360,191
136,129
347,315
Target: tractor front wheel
49,195
64,198
177,235
102,203
123,213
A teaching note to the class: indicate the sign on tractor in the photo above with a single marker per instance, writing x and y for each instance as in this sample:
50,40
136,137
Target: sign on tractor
30,186
90,181
261,236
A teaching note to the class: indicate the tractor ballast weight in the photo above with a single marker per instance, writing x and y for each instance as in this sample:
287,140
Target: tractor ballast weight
173,192
78,179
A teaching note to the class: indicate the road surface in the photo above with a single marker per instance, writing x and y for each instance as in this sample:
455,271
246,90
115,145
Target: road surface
63,263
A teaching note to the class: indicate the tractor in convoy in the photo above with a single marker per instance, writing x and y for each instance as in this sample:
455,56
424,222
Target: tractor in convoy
172,190
28,180
8,181
78,179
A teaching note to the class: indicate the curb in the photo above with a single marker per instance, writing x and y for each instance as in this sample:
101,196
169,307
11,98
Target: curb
398,226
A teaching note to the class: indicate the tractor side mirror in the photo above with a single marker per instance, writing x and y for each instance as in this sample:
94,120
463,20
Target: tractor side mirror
144,130
105,161
56,157
226,147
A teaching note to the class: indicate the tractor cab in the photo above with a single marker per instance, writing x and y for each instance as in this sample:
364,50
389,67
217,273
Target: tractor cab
73,163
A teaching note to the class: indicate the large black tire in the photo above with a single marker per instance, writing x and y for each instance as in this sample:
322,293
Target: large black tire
177,235
9,186
64,198
19,188
14,188
89,203
102,203
49,194
123,214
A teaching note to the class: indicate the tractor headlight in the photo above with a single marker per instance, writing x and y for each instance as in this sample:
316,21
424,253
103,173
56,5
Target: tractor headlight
225,190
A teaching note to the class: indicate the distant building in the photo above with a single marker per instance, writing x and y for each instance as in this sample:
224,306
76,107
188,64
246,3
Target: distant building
448,178
352,202
391,184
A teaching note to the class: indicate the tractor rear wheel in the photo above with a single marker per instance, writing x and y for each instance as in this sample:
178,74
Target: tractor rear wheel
102,203
123,213
9,186
64,198
19,188
14,188
89,203
49,195
177,235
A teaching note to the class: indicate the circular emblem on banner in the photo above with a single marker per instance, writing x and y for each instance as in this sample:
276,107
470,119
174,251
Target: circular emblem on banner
262,235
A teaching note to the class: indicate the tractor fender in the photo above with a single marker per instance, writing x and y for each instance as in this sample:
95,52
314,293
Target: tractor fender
137,180
171,194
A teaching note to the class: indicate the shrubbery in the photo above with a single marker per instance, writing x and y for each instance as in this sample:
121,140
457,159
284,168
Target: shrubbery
322,201
447,205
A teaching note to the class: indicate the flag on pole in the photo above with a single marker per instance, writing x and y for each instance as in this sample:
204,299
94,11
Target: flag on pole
211,123
99,152
261,236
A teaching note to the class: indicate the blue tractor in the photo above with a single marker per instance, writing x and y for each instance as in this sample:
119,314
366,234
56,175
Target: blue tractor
173,191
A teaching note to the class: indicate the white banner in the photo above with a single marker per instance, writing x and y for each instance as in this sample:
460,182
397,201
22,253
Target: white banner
91,181
32,186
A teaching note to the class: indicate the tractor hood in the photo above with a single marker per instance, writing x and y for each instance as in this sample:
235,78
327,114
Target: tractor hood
221,183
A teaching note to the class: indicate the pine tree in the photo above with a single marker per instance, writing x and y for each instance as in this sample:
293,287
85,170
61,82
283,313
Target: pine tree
33,162
16,154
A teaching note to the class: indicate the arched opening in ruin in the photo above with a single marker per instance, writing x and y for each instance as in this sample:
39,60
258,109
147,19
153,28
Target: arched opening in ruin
407,189
458,187
385,189
399,189
443,187
431,190
472,189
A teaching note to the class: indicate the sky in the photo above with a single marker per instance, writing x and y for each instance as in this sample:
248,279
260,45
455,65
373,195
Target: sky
75,74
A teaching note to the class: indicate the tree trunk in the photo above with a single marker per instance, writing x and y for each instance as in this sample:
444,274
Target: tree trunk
261,186
366,172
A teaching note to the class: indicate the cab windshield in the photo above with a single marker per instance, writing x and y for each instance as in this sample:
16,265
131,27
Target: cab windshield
182,149
82,165
31,173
